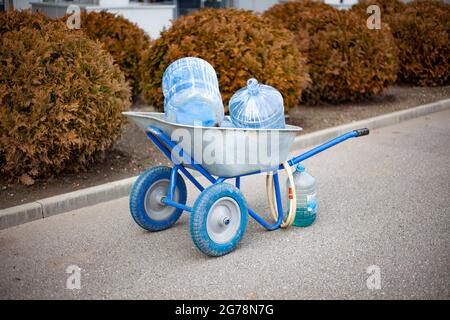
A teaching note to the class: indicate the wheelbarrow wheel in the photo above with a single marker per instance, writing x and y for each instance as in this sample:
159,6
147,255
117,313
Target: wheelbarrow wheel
145,199
218,219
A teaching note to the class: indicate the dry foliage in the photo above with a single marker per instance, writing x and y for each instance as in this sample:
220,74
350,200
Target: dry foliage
15,20
60,98
346,60
238,44
124,40
422,31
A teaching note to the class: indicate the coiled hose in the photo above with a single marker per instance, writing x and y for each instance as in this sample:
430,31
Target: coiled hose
292,197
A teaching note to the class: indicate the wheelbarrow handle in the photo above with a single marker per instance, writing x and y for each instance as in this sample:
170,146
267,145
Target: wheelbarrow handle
351,134
362,132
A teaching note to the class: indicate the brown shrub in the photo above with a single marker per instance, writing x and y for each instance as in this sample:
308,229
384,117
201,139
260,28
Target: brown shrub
422,31
346,60
14,20
124,40
60,98
238,44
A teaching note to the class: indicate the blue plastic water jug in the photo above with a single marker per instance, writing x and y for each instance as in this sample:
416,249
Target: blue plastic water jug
191,93
305,191
227,123
257,106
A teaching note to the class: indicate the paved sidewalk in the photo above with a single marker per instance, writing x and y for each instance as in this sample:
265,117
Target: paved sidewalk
383,200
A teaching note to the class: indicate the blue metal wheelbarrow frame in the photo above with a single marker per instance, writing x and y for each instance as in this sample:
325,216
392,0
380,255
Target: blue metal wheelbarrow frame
168,148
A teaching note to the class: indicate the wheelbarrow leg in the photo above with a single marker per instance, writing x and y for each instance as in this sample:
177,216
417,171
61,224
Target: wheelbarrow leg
260,220
173,182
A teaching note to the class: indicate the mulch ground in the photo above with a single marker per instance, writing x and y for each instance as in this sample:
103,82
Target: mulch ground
134,153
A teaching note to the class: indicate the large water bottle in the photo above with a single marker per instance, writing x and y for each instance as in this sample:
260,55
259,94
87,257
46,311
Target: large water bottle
257,106
191,93
305,190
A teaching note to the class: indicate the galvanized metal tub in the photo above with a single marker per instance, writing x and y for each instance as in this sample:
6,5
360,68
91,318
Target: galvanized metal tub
224,152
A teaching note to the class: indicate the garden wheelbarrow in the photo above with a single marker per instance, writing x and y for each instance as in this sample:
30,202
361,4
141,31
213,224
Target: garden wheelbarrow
219,215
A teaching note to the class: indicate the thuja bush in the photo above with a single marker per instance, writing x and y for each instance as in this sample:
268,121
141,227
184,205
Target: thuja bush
238,44
124,40
14,20
346,60
60,98
422,31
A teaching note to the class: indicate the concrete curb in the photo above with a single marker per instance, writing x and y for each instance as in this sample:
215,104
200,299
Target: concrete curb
47,207
384,120
90,196
85,197
14,216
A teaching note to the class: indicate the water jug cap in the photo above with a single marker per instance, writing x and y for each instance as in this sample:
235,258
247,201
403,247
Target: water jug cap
300,168
253,86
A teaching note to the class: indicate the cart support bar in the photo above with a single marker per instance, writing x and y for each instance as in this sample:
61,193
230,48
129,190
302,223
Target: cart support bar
155,135
327,145
176,205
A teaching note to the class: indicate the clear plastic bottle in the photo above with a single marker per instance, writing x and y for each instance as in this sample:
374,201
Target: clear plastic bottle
305,190
257,106
227,123
191,93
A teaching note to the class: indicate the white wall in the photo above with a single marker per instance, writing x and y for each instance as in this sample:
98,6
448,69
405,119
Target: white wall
151,18
20,4
255,5
152,21
344,4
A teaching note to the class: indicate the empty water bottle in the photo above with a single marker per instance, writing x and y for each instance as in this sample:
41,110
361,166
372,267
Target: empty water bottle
191,93
305,190
257,106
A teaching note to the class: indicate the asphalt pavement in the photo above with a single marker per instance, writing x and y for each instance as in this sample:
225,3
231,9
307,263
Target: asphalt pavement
383,207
